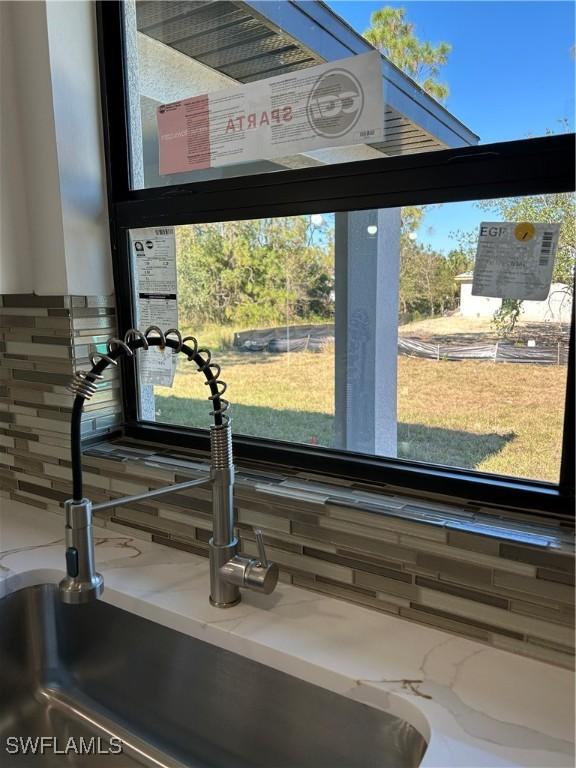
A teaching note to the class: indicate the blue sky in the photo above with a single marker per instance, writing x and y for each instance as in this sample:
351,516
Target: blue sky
510,73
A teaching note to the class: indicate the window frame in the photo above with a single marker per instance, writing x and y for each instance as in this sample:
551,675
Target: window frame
523,167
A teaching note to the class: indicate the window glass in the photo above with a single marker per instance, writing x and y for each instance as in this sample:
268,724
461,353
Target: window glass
233,88
482,64
361,331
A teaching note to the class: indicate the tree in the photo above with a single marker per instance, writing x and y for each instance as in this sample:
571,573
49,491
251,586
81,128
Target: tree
264,271
448,290
394,37
427,279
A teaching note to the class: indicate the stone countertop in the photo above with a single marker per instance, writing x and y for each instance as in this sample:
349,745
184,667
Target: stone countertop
476,706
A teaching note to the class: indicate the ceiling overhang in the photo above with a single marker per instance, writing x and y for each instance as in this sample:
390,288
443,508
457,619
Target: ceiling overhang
250,40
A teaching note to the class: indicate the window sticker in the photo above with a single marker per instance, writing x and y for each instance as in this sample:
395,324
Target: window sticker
515,260
335,104
154,258
157,366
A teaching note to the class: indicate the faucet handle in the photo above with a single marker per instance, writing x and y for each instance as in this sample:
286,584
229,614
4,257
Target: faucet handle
261,548
255,573
261,575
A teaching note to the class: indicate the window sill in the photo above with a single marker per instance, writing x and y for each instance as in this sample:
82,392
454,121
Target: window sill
302,490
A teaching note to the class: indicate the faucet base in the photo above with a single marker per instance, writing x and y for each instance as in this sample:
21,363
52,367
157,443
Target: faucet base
231,604
75,591
223,593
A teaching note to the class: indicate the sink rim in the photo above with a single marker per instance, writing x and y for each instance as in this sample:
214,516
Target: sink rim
370,693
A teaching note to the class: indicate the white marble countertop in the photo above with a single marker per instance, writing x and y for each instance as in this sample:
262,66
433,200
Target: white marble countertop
476,706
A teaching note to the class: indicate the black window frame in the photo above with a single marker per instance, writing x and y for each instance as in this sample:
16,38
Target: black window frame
523,167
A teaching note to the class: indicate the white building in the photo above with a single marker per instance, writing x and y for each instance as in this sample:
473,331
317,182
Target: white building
556,308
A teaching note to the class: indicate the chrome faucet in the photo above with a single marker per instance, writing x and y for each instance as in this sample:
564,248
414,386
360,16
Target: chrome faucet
229,571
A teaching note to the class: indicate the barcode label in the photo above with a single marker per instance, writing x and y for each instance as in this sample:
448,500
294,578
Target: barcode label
164,231
366,134
546,249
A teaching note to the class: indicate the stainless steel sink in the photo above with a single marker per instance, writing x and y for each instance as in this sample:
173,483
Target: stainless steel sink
97,671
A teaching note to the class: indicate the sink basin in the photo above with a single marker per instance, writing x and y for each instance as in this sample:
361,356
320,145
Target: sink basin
96,671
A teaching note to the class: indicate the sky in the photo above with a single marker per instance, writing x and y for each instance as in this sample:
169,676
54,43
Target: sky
510,74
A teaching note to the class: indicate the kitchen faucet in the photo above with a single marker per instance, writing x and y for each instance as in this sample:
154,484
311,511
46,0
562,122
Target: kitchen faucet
229,571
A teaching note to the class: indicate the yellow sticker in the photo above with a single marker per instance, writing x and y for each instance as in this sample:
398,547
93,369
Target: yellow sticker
524,231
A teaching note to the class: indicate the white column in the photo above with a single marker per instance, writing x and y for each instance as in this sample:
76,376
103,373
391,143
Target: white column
367,278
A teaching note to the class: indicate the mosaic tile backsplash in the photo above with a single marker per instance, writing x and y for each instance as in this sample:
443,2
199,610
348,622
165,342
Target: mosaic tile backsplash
461,568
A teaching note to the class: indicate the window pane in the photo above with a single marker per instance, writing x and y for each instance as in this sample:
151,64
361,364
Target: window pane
223,82
362,331
225,89
481,63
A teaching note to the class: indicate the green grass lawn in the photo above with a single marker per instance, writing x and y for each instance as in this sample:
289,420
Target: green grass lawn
503,418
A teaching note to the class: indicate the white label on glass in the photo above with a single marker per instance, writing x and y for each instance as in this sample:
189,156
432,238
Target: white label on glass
515,260
157,366
154,254
329,105
158,309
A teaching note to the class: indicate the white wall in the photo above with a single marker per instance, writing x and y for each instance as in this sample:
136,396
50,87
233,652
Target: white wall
476,306
30,210
15,245
78,125
556,308
54,237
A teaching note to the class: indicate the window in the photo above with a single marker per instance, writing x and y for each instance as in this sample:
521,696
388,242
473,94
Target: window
239,67
338,294
359,331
